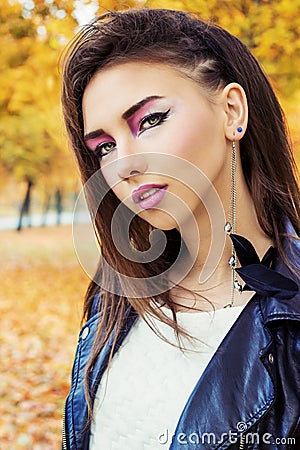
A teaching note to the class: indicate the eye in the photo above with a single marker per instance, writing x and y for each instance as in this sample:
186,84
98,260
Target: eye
152,120
104,148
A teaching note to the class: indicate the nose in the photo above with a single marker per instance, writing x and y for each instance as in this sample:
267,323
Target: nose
133,164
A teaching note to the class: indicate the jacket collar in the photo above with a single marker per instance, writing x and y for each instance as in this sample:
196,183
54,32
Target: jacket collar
273,308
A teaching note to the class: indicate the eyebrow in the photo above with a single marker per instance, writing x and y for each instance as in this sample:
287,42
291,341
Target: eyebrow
139,105
126,115
93,134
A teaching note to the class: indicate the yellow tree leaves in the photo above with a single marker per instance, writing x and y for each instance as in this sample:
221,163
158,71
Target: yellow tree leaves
32,40
31,134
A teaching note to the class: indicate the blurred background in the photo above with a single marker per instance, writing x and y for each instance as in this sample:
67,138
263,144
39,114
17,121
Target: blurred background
41,282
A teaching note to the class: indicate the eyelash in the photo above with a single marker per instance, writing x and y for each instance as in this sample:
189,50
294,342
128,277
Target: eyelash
161,116
98,150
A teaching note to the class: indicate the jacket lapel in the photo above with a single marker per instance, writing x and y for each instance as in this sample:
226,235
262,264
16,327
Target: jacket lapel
220,408
274,308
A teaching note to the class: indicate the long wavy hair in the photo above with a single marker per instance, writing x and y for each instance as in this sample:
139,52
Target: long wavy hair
213,58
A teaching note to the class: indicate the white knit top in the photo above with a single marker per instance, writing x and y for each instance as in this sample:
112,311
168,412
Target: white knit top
150,381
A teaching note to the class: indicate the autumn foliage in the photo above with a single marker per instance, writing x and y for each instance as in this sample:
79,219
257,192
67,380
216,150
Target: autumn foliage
33,35
41,282
41,291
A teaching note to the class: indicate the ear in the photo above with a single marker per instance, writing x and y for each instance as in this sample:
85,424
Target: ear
236,111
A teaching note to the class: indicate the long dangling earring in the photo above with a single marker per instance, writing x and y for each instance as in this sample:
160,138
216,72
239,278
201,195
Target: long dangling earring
230,225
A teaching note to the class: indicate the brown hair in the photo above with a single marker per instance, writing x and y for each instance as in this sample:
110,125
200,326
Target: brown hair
214,58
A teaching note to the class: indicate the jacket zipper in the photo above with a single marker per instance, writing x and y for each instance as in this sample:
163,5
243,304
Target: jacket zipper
64,437
242,442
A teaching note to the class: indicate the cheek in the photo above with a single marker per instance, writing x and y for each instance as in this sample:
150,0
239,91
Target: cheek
121,193
192,134
200,141
202,144
109,171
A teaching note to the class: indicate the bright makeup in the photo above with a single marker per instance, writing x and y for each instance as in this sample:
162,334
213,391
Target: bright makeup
149,195
135,120
97,138
139,118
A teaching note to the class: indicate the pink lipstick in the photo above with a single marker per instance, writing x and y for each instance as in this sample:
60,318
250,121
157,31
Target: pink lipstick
149,195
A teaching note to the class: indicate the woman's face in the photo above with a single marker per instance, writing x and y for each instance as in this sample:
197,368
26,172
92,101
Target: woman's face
158,137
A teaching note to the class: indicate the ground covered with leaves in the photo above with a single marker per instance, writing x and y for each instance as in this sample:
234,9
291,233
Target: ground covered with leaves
41,291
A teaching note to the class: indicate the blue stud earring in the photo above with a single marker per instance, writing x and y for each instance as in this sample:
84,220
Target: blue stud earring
240,129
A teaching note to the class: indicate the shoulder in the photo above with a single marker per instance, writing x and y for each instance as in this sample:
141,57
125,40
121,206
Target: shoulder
284,304
291,245
95,305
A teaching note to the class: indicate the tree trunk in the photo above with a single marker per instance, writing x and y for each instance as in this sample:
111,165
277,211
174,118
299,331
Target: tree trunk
46,208
58,206
25,208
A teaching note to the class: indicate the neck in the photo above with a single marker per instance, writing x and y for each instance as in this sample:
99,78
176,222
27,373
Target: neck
210,274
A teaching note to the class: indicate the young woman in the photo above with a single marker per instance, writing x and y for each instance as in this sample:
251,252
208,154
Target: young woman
192,333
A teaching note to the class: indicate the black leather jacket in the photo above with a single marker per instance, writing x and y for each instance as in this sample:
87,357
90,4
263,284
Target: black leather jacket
249,394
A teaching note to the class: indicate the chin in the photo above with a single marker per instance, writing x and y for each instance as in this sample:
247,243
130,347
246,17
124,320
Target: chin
159,219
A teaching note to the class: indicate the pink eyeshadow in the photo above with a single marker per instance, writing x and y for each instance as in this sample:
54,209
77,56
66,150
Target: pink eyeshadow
134,121
92,143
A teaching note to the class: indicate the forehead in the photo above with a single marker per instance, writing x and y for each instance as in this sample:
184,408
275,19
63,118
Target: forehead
133,74
114,89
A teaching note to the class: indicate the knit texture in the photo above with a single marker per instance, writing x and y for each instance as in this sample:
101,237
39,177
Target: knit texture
150,381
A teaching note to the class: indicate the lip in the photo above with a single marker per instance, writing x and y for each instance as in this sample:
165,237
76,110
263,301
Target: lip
136,193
